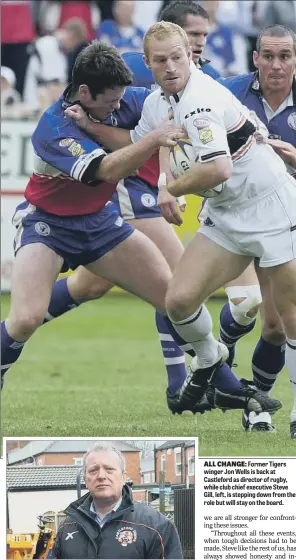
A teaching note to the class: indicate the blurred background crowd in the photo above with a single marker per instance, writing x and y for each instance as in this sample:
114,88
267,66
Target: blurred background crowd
41,39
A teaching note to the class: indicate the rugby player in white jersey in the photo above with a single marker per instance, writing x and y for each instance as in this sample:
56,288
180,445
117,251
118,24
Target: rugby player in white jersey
253,214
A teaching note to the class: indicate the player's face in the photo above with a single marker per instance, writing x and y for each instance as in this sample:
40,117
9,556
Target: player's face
276,63
169,61
104,103
197,29
103,476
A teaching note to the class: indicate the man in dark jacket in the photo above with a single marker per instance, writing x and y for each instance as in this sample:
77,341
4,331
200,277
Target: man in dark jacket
106,523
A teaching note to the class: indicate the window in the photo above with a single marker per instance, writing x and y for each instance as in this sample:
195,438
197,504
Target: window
78,461
162,462
146,478
178,461
191,463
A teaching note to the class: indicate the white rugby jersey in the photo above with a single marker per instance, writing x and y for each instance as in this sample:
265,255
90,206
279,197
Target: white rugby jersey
218,125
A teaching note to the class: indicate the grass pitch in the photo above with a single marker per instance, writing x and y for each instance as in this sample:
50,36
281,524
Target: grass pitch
98,371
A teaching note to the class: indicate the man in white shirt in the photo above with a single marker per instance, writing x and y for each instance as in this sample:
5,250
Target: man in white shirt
253,214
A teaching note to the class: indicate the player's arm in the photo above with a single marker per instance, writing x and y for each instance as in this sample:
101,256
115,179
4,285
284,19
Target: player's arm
115,138
84,160
109,136
126,161
214,165
112,137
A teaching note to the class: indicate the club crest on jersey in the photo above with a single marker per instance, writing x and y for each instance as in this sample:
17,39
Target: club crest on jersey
76,149
206,135
292,121
66,142
148,200
126,535
42,228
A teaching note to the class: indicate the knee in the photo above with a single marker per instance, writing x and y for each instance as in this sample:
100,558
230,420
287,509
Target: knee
179,305
25,322
244,303
272,331
97,289
89,288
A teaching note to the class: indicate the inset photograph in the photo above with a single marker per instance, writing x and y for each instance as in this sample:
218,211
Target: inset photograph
99,498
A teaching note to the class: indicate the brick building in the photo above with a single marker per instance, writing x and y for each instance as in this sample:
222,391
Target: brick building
177,459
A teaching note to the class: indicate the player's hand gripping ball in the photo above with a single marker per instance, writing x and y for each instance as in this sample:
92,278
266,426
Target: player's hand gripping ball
182,157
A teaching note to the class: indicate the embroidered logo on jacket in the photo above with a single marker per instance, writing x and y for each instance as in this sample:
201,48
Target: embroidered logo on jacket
126,535
70,535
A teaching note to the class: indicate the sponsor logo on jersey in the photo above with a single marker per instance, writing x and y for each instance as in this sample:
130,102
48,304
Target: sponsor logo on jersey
42,228
126,536
292,121
201,123
206,135
197,112
76,149
66,142
148,200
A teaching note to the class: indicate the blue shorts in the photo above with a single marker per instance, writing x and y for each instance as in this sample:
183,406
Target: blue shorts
137,200
79,240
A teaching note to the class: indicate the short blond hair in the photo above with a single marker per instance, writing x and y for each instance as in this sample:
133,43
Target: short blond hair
162,30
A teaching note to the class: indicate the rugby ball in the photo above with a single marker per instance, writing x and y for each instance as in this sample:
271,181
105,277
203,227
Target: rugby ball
182,157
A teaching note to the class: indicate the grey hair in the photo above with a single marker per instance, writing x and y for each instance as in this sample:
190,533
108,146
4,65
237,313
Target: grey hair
102,447
276,31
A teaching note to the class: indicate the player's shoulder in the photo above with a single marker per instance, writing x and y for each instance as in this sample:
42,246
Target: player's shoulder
207,86
53,125
154,99
209,70
237,83
142,76
135,93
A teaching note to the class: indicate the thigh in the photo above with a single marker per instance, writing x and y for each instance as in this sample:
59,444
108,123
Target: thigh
136,265
205,267
247,278
35,270
84,285
283,284
163,235
271,324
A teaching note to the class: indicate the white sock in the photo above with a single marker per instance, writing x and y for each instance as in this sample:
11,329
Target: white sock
197,330
291,365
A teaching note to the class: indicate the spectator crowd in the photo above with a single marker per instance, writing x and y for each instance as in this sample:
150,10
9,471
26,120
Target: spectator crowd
41,39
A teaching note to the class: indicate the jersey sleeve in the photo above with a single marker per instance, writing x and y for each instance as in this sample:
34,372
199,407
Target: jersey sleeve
206,130
74,154
150,119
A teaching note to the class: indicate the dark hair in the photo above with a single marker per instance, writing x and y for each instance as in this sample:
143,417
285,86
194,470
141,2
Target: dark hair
177,11
100,67
275,31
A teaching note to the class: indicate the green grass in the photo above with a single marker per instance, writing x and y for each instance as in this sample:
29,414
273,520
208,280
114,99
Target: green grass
98,371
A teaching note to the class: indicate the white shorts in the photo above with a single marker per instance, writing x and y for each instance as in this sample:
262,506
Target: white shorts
265,229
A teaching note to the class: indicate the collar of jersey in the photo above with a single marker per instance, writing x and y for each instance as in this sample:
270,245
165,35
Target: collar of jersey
175,98
255,87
